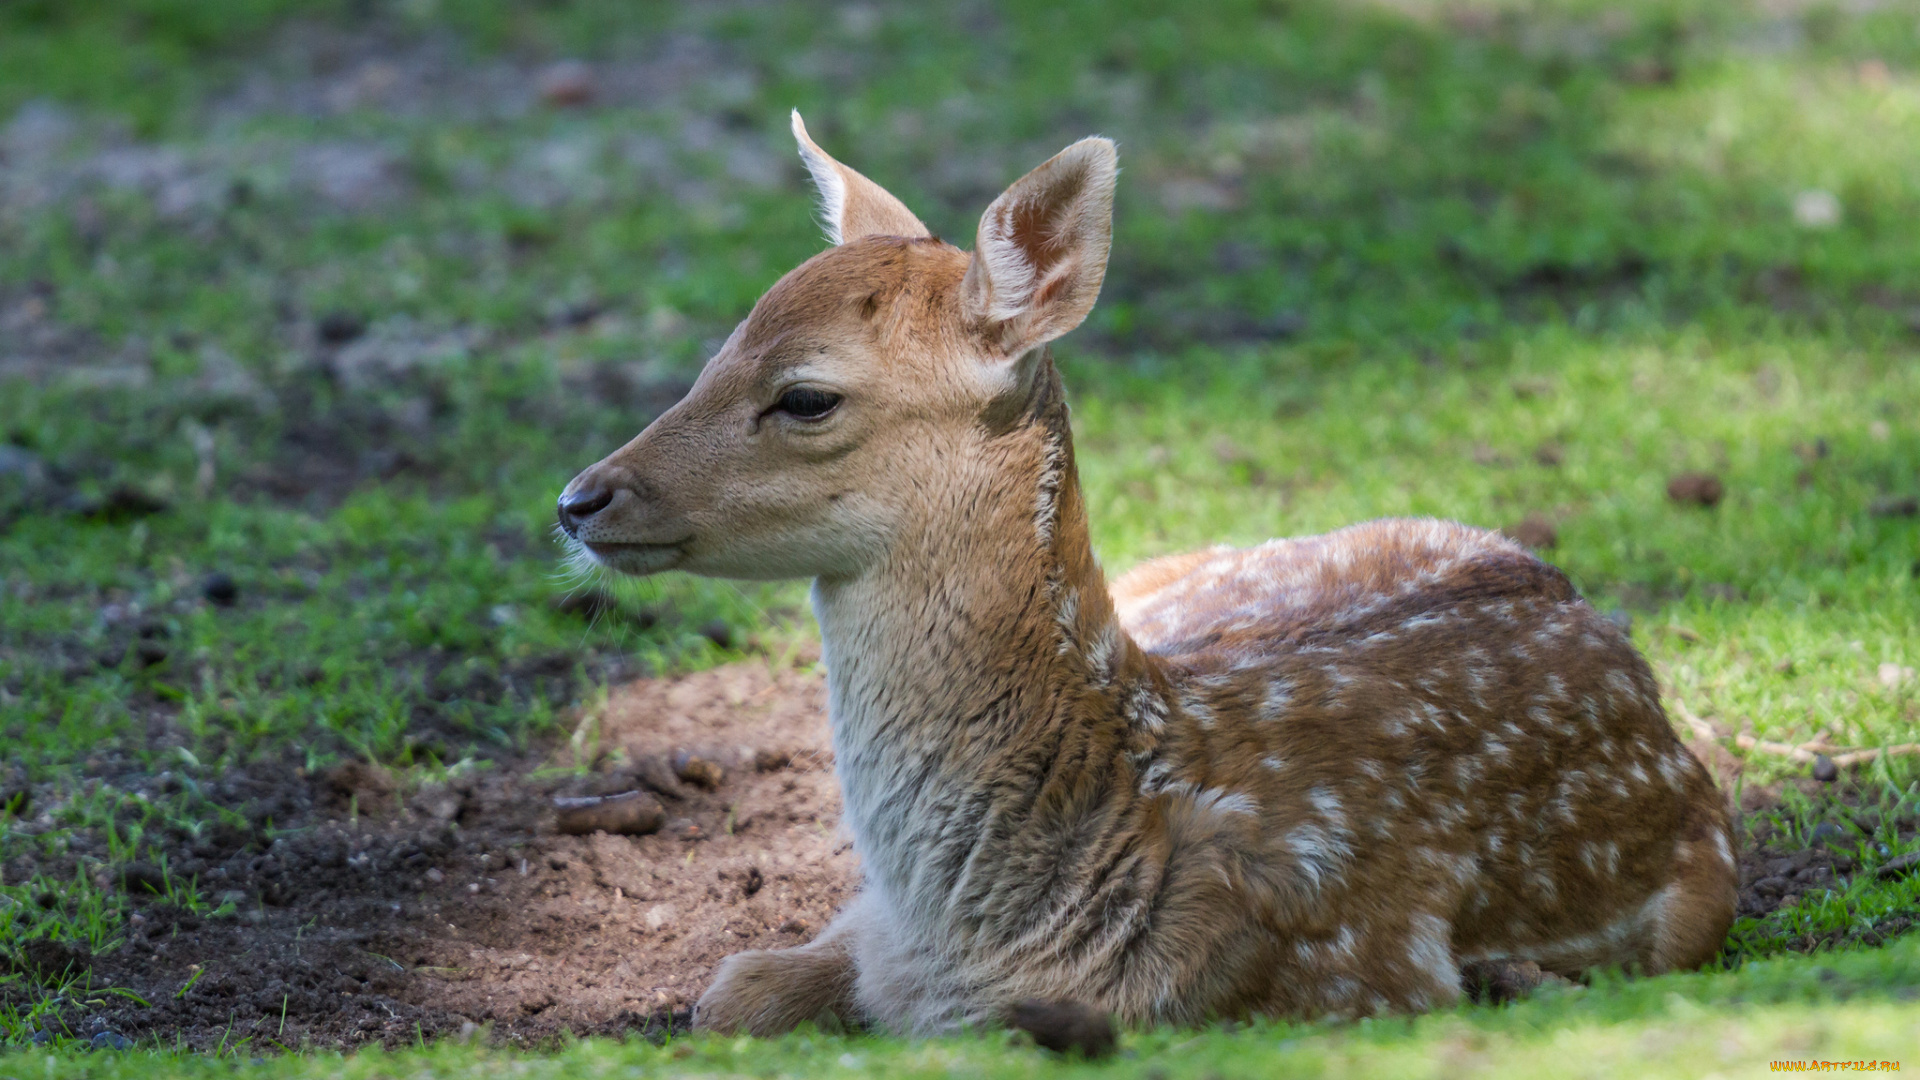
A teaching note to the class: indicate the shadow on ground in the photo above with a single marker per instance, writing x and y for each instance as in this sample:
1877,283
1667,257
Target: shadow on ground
381,915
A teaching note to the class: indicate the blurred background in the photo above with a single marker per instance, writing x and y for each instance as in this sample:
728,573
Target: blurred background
308,311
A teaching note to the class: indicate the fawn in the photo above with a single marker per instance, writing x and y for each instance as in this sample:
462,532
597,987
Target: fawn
1314,777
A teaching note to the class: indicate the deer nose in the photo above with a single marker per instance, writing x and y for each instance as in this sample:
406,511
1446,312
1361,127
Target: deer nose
577,506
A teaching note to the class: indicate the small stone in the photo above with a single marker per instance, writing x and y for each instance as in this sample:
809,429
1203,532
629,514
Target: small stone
653,771
22,463
51,960
1063,1026
1816,209
1649,71
794,925
1700,489
1892,676
633,813
1230,453
698,771
754,883
339,327
139,877
771,760
439,802
1900,867
362,778
1825,771
220,589
111,1040
1535,531
435,875
1826,830
1485,454
126,501
567,83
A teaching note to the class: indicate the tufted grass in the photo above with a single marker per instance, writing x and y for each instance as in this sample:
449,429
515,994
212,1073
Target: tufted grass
1857,1007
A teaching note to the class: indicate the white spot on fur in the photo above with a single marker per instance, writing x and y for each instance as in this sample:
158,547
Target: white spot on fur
1427,951
1327,805
1279,695
1221,802
1101,653
1321,856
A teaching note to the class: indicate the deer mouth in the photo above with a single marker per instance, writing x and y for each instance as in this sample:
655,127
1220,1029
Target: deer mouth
635,558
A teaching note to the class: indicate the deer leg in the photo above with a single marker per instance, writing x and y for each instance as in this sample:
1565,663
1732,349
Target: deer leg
1432,976
768,992
1689,923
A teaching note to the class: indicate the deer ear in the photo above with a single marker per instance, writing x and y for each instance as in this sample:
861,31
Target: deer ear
1042,249
852,206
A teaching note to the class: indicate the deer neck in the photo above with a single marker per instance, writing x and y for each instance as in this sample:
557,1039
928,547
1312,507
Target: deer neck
980,640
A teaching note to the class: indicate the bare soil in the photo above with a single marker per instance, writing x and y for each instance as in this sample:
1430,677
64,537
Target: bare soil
1778,870
381,915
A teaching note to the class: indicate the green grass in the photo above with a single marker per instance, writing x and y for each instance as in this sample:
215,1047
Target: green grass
1479,261
1857,1006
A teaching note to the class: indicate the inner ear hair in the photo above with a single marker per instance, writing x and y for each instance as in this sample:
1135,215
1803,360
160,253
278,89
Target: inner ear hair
1041,252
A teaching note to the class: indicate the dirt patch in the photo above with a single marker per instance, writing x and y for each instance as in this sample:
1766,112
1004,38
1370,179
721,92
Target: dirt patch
382,912
1781,866
379,914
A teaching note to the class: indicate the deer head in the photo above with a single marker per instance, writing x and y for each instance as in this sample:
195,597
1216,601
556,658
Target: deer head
864,394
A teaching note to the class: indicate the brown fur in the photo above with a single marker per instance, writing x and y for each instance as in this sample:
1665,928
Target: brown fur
1312,777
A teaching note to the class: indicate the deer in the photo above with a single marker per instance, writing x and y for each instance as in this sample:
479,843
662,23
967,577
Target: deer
1318,777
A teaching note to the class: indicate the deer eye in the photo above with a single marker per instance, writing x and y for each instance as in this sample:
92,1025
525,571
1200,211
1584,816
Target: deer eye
806,403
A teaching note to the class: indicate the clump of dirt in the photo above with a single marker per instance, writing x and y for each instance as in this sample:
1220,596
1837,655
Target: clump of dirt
1778,869
382,914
